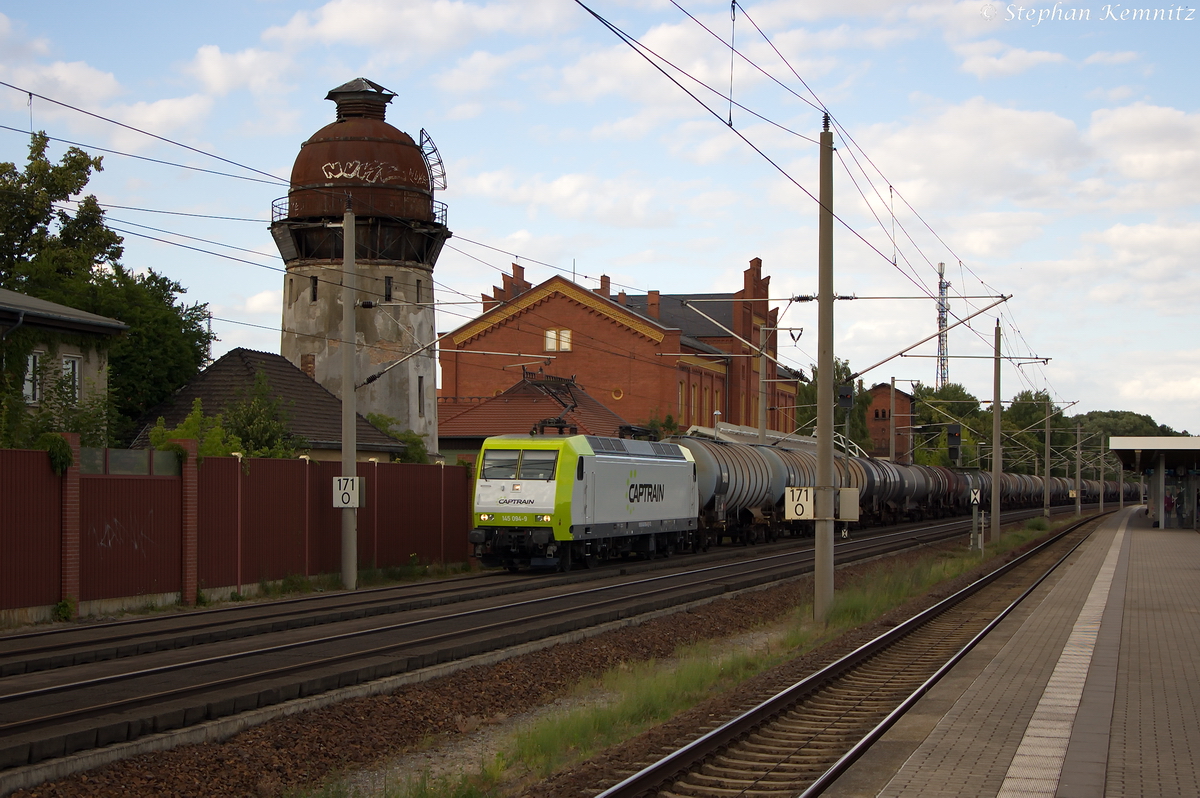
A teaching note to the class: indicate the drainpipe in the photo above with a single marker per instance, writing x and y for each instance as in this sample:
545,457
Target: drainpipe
20,321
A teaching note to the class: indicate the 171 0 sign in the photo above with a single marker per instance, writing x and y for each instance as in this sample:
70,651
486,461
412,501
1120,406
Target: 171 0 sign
799,504
345,492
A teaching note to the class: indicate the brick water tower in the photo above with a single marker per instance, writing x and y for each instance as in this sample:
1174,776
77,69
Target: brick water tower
389,181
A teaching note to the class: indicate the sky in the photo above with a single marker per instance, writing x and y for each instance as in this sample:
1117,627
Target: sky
1050,152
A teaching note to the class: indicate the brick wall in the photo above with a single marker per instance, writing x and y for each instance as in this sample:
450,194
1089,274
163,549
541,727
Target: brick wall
627,362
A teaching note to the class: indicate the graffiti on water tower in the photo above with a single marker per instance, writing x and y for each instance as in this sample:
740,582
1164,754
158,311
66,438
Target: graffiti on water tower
373,172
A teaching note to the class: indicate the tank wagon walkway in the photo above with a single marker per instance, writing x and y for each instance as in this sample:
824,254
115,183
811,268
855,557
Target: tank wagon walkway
1091,689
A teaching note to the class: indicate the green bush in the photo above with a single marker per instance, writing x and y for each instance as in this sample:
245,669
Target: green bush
65,609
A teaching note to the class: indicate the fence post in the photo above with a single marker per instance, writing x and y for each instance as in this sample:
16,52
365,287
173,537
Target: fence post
190,521
69,566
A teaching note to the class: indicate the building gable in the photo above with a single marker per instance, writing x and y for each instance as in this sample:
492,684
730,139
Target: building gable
555,285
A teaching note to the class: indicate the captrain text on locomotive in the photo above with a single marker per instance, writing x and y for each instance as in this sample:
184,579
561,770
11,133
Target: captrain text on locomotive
553,502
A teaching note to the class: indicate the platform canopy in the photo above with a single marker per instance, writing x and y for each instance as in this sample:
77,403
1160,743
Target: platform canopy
1138,454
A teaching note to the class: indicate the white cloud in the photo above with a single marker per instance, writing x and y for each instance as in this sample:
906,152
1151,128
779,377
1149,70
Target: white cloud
978,154
995,234
481,70
75,82
425,28
624,202
161,117
991,58
15,47
264,302
1111,58
1162,170
260,71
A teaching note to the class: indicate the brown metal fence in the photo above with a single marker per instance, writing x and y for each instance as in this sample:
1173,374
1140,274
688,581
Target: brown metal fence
276,518
30,530
258,520
130,542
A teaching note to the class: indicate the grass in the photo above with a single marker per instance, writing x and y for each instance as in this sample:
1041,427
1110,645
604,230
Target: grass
643,695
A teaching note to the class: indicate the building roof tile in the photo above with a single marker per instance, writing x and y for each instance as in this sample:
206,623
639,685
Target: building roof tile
313,412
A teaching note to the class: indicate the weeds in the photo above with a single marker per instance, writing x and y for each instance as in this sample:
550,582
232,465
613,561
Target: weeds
648,693
65,609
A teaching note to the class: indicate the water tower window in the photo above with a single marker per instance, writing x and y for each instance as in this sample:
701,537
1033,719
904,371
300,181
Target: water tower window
387,289
418,292
421,396
312,289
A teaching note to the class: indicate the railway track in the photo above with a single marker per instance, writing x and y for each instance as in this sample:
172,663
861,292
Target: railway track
168,673
799,740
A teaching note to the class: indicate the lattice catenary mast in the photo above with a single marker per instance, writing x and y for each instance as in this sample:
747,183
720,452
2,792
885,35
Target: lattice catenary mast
943,310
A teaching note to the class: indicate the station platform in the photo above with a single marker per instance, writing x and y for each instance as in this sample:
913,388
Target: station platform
1091,688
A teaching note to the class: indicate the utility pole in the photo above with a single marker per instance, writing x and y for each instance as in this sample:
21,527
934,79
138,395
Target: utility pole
1046,478
997,456
892,425
823,562
762,384
1102,472
943,310
349,405
1079,498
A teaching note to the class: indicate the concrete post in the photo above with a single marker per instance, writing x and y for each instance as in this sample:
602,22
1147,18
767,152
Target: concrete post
1046,478
892,425
823,563
349,406
70,520
1079,483
997,450
190,505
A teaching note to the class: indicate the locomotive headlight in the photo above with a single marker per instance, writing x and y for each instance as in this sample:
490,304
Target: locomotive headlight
545,518
486,517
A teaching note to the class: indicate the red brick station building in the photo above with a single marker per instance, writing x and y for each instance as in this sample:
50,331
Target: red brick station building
643,356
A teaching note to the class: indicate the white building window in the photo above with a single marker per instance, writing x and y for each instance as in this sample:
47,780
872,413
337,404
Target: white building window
33,382
558,340
70,372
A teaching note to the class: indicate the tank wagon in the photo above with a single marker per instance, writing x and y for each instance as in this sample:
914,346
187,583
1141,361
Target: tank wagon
553,502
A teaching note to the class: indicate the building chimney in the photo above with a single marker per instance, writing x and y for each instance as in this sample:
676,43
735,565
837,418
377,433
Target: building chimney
621,298
652,304
603,289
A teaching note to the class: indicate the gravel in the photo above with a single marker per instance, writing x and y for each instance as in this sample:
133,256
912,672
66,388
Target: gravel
460,720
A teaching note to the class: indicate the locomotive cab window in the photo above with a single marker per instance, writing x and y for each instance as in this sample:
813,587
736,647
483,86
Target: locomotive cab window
500,464
537,465
516,464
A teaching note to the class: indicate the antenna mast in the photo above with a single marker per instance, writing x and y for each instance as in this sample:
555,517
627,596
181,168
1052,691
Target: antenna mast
943,310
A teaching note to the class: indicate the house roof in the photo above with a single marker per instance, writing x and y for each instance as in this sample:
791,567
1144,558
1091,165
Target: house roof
628,317
533,399
27,311
887,386
672,313
313,412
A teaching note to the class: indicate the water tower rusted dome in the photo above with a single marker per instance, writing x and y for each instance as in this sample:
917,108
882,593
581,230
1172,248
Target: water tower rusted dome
363,156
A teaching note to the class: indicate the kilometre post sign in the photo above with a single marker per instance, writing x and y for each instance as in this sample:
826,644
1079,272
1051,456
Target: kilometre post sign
799,504
345,492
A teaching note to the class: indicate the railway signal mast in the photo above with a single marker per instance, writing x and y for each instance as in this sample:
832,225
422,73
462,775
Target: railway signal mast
943,311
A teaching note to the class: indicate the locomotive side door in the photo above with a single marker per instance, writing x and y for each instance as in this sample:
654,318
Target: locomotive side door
586,476
589,496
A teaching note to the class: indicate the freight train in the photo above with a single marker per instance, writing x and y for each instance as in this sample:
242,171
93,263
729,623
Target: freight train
557,502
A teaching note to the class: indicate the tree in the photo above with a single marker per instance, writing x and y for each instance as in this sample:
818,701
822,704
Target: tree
210,435
806,397
415,450
74,259
260,422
